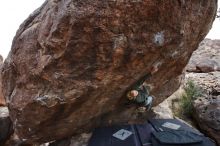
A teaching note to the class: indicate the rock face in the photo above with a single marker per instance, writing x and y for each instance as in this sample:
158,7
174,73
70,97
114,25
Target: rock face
72,61
2,99
207,115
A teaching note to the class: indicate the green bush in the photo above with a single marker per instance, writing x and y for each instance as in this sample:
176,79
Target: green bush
186,101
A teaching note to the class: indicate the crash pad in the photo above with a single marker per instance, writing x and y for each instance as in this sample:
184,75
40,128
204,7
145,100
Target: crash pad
168,130
144,134
107,136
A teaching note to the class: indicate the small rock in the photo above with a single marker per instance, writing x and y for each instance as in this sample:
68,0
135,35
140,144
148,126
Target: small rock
5,125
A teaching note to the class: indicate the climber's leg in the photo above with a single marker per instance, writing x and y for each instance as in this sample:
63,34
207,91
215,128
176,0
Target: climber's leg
148,102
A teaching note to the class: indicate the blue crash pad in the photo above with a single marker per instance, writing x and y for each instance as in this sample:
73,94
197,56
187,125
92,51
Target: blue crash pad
141,134
104,137
158,126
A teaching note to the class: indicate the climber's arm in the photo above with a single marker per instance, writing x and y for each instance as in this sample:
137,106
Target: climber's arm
141,81
145,90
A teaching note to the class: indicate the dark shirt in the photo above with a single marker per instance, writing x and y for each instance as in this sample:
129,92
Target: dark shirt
143,93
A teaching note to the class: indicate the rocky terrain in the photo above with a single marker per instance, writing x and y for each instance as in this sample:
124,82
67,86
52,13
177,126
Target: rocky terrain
72,63
206,59
203,70
207,107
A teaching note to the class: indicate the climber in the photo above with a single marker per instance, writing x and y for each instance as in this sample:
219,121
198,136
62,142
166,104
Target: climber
140,95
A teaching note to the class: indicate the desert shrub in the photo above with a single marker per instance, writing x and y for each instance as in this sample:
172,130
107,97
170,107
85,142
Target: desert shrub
186,101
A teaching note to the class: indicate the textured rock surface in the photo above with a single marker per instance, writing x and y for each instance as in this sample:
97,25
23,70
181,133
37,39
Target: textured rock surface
207,115
206,58
2,99
208,82
80,140
5,125
207,107
72,62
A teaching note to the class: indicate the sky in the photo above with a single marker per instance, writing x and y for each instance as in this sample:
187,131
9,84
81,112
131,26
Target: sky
14,12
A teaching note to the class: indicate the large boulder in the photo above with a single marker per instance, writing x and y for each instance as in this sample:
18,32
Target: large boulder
72,62
206,58
207,107
2,99
207,115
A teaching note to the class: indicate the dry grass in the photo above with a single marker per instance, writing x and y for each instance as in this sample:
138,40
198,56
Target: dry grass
183,106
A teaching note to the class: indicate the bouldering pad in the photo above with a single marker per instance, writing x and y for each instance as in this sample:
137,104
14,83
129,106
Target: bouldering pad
144,134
